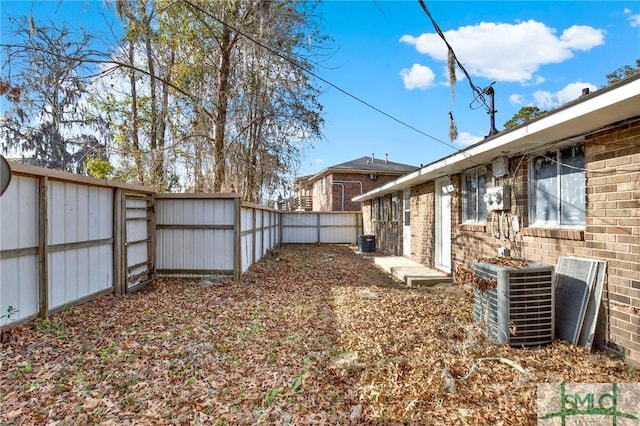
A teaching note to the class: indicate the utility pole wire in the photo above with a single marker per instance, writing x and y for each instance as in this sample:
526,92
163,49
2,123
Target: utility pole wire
479,93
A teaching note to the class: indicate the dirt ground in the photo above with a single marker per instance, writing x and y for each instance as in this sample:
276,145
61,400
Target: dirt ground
311,335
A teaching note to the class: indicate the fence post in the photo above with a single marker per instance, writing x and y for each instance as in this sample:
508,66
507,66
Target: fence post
151,233
118,225
318,216
43,252
237,250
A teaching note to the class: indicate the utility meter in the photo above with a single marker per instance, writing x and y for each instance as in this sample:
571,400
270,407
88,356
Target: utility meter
498,198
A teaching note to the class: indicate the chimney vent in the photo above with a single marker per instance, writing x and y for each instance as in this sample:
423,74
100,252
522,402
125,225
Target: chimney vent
386,158
585,91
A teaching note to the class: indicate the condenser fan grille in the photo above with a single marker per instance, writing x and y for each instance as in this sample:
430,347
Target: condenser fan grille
519,311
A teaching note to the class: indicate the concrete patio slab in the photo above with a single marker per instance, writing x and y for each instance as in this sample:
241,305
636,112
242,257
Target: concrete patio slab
412,273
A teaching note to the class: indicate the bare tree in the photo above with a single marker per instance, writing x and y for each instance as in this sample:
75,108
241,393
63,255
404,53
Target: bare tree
50,123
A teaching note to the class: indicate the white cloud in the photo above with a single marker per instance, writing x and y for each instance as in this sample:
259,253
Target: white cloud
318,161
548,100
634,19
508,52
516,99
418,77
467,139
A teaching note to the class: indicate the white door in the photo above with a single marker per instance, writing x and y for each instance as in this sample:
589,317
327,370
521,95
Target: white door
406,224
443,224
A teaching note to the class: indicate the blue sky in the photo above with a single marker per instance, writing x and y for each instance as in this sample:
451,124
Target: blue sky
540,53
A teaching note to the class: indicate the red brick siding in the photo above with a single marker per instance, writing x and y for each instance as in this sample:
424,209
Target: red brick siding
612,231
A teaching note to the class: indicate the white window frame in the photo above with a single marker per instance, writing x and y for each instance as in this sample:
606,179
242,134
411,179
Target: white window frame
323,185
578,172
481,209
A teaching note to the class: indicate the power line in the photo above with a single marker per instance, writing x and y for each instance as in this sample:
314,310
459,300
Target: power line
479,92
308,71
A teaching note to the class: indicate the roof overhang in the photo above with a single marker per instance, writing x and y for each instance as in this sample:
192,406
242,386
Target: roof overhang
332,170
571,122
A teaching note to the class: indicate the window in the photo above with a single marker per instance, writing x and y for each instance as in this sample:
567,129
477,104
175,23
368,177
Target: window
375,210
323,184
557,193
474,186
394,206
384,210
406,203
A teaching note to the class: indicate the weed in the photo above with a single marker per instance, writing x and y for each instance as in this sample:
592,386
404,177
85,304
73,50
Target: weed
296,386
270,397
6,318
10,312
57,329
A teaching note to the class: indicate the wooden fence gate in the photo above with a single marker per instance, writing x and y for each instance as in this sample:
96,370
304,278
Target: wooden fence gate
138,241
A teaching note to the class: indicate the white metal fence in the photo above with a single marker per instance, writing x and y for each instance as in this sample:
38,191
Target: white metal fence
57,241
66,238
321,227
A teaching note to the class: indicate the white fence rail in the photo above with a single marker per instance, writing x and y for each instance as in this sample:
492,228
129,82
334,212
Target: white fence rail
66,238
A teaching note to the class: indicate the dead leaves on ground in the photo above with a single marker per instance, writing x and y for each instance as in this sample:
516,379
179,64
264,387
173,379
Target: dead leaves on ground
312,335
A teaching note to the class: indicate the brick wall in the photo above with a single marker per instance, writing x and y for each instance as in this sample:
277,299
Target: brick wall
332,199
613,230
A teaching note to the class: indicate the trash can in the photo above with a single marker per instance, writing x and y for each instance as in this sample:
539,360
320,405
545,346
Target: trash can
367,243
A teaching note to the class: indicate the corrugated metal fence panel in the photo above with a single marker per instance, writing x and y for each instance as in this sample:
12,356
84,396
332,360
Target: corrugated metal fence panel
276,220
19,234
80,231
339,228
320,227
194,235
299,227
247,239
259,235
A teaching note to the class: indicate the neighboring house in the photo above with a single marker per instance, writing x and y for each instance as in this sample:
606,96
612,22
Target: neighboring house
572,180
333,188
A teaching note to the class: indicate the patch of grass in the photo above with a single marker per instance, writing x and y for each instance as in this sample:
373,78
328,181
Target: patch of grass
27,368
271,397
296,385
55,328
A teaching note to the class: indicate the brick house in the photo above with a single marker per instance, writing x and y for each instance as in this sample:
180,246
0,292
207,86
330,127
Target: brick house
571,180
333,188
